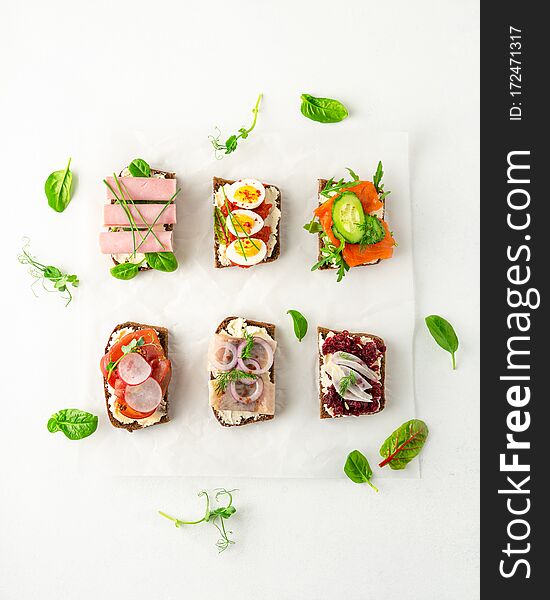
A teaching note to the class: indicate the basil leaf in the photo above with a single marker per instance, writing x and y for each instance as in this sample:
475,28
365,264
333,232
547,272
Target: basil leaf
300,324
75,424
58,188
162,261
323,110
139,168
404,444
125,271
444,334
357,468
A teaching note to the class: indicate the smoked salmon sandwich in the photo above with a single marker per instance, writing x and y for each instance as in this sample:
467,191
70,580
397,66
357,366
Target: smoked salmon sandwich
350,223
136,374
242,372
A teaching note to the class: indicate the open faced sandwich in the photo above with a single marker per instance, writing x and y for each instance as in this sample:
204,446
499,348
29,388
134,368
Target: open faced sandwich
246,223
242,372
352,370
136,374
140,215
349,221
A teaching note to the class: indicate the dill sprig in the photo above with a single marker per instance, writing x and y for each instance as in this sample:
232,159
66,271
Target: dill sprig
247,350
346,382
224,378
216,516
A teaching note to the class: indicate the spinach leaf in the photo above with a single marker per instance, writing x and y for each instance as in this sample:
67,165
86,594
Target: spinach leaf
357,468
58,188
74,423
323,110
444,334
162,261
125,271
300,324
139,168
404,444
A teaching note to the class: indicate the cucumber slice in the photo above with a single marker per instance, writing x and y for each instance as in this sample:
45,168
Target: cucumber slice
348,217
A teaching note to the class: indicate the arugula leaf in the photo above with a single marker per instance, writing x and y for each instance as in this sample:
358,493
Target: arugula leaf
323,110
313,226
139,168
357,468
404,444
74,423
162,261
58,188
300,324
444,334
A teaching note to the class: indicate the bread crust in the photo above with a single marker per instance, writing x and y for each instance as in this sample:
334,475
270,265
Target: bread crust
270,328
321,187
323,414
162,333
217,182
167,175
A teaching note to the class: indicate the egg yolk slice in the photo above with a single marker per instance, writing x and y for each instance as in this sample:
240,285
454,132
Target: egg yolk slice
249,248
247,194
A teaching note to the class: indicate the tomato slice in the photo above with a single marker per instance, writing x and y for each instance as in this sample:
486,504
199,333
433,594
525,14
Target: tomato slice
130,412
162,373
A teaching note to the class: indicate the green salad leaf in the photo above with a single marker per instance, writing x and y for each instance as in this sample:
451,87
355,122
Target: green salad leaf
404,444
162,261
139,168
300,324
357,468
126,270
323,110
58,188
444,334
74,423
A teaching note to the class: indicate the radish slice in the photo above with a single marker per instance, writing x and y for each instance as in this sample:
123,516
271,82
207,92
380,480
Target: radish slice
133,369
144,397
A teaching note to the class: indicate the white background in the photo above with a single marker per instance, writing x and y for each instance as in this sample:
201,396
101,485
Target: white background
122,71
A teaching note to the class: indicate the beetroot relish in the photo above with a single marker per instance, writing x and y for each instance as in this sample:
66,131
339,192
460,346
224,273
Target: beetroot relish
345,342
337,404
369,352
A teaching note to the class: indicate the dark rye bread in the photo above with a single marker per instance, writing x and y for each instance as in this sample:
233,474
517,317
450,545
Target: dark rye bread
167,175
271,330
162,333
322,184
217,182
324,331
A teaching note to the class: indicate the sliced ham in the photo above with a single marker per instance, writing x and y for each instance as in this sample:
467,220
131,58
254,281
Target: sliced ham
121,242
142,188
114,215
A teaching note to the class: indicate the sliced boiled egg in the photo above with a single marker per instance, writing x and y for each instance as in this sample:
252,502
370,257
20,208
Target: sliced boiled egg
244,222
246,252
246,193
